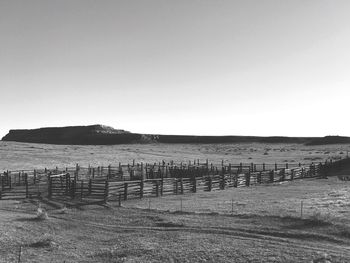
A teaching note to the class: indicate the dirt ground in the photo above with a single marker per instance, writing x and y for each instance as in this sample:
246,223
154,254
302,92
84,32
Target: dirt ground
264,225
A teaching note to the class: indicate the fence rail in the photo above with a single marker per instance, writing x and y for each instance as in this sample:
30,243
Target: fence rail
138,180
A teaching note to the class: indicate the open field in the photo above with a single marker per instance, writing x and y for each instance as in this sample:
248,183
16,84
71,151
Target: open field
16,156
249,224
326,198
265,226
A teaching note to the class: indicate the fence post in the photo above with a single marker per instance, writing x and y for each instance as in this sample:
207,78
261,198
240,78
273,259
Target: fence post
142,170
77,171
259,178
131,173
222,181
26,184
141,187
81,189
120,169
247,178
120,200
161,186
157,188
109,172
49,190
72,188
181,186
210,183
125,191
67,183
282,174
176,186
19,254
90,185
311,170
272,173
194,186
106,192
34,176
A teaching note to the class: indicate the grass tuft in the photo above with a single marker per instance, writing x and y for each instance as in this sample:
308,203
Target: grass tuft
45,242
319,219
323,259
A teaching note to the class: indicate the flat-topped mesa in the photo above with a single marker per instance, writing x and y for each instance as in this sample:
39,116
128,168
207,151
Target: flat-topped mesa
85,135
98,128
105,135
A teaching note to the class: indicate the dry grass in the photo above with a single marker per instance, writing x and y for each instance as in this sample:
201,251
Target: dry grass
255,224
322,198
44,242
130,234
28,156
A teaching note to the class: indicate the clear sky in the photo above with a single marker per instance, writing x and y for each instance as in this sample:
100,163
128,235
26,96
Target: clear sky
219,67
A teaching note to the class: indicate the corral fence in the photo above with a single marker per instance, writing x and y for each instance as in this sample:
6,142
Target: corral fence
138,180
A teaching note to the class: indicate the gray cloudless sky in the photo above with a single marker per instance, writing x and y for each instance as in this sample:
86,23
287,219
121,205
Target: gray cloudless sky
249,67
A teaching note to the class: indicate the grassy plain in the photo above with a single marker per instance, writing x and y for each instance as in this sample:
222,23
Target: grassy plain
255,224
28,156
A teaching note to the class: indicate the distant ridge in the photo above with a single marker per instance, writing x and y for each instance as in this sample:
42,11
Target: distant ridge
85,135
105,135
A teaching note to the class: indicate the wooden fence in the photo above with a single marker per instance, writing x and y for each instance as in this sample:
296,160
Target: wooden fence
123,182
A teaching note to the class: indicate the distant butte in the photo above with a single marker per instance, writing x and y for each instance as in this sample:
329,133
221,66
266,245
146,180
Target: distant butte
105,135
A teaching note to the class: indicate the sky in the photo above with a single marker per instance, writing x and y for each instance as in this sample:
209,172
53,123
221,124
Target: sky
199,67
